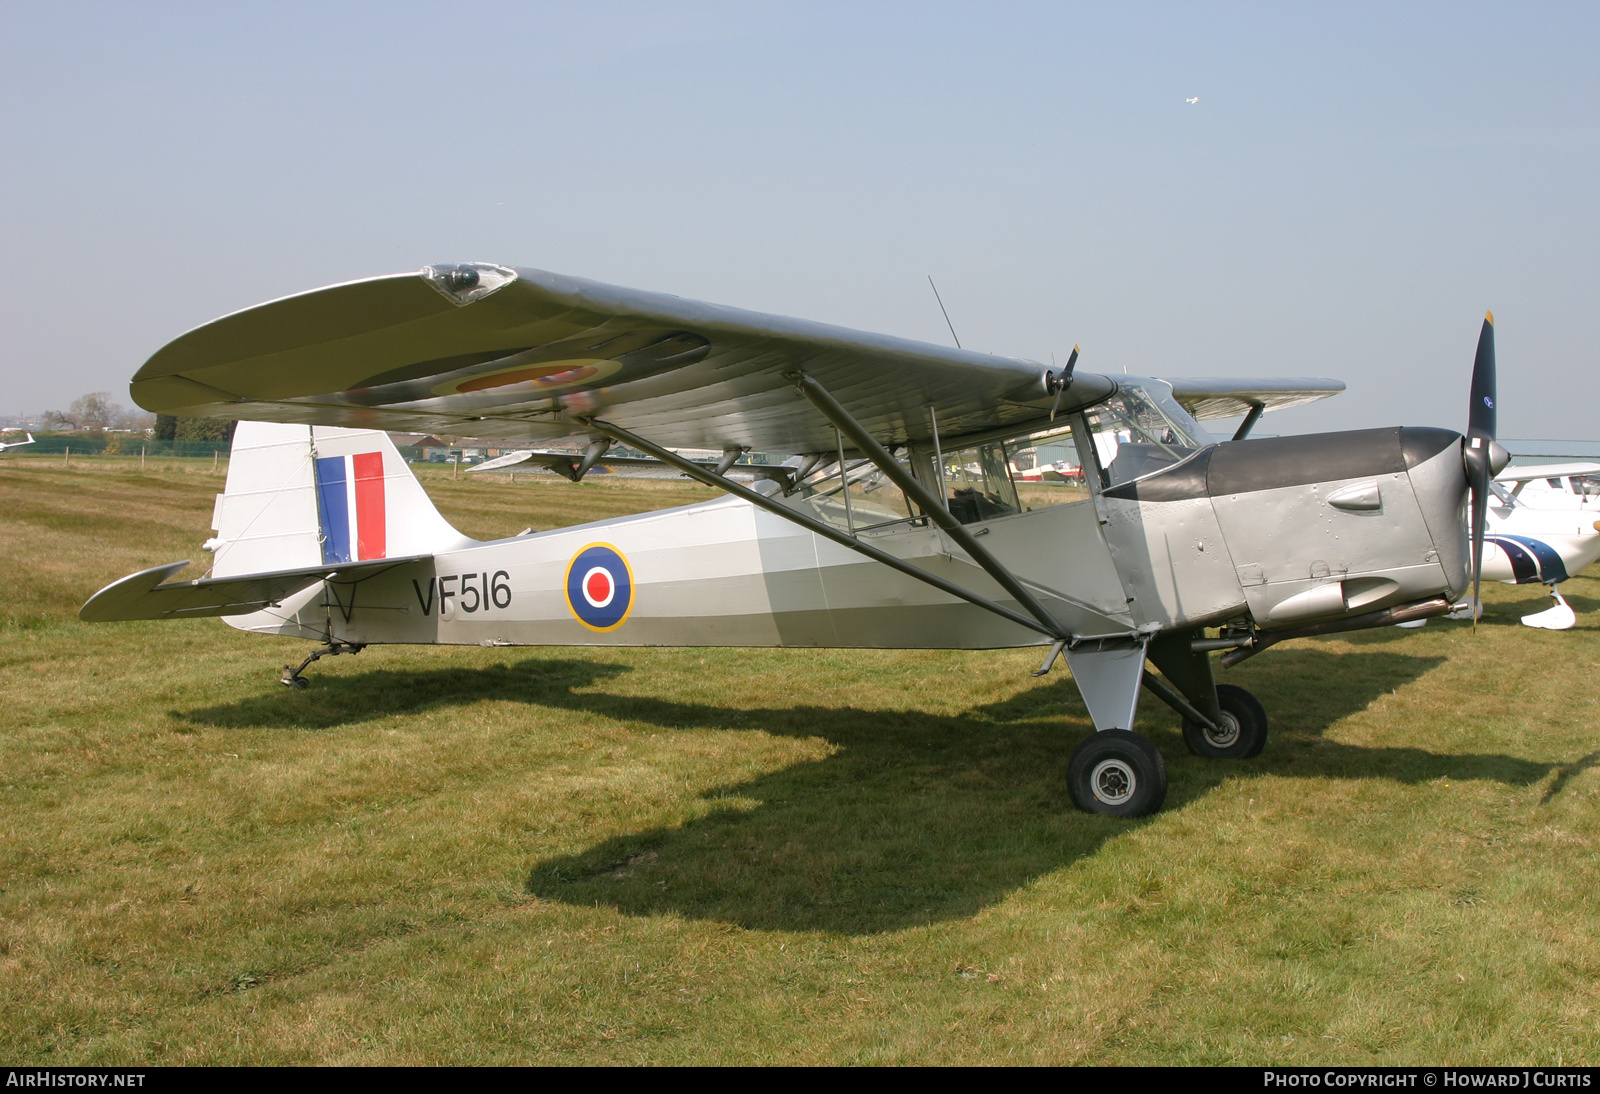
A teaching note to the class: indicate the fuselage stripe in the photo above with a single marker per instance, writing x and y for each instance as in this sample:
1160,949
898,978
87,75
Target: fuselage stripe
371,518
1545,559
333,507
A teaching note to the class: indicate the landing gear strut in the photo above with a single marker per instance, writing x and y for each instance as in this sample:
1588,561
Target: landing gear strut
1220,721
291,675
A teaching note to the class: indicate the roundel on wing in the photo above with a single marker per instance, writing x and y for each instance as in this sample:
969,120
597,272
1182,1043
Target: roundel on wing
599,587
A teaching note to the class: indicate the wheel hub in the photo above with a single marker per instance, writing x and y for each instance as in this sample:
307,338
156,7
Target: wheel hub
1227,732
1113,781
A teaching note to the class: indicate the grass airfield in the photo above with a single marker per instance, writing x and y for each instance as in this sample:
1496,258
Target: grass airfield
585,856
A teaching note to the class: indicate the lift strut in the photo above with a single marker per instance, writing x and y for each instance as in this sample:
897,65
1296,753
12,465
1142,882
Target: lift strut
934,507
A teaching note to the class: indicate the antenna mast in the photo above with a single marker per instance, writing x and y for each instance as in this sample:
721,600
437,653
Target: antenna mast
946,314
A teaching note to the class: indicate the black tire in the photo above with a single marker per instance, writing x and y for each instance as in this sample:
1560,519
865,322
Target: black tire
1119,773
1243,728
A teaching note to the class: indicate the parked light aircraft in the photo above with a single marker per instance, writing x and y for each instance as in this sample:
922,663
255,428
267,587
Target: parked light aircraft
1542,530
894,523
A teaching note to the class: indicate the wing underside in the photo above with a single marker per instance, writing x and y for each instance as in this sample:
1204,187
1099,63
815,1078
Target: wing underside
1219,397
524,356
528,359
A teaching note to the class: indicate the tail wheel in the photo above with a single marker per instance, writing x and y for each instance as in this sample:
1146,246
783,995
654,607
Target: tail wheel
1241,731
1119,773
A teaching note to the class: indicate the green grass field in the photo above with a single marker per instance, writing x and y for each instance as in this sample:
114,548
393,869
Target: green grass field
758,856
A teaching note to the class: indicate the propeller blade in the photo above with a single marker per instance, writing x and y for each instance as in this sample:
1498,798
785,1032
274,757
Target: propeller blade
1480,455
1063,382
1481,414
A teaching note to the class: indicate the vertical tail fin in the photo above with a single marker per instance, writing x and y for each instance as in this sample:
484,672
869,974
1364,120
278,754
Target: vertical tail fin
301,496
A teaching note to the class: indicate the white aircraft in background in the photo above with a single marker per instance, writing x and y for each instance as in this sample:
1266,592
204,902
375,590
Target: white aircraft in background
1542,528
15,444
1555,485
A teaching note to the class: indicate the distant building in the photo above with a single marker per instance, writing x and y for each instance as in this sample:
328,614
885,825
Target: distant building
416,440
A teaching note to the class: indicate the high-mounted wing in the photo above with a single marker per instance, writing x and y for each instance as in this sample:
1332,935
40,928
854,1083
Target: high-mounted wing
1218,397
522,355
1529,472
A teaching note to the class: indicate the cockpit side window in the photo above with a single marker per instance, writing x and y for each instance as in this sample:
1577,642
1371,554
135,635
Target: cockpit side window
978,485
1046,469
861,499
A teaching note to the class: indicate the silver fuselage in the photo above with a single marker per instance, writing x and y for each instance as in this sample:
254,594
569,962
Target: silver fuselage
1279,532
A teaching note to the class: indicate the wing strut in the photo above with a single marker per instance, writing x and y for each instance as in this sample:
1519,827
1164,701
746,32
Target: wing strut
869,447
708,475
1256,410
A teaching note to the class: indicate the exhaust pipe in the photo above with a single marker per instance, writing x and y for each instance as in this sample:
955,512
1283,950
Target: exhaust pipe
1401,613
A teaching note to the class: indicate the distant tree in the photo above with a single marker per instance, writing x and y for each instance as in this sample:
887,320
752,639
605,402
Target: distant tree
54,419
166,427
93,411
203,429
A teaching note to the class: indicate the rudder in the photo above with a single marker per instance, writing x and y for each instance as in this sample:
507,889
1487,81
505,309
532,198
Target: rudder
303,496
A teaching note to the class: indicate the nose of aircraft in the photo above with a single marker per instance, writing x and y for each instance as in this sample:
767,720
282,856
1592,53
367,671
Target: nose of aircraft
1438,473
1387,507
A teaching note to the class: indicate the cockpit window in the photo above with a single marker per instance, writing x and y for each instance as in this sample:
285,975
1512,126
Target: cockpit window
1139,430
977,484
1045,468
872,500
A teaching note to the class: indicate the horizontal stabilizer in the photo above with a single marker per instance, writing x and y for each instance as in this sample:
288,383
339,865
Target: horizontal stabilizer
144,596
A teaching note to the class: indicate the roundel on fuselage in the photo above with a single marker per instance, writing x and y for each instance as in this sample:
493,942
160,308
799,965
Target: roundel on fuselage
599,587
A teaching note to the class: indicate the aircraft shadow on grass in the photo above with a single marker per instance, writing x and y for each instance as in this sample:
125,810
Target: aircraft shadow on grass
915,817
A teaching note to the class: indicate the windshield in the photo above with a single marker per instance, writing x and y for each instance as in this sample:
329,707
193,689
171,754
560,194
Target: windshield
1141,429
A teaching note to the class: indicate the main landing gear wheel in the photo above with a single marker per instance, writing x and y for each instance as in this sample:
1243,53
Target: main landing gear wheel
1241,732
1119,773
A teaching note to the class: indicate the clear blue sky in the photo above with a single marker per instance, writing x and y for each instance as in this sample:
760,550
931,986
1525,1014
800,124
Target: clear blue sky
1355,186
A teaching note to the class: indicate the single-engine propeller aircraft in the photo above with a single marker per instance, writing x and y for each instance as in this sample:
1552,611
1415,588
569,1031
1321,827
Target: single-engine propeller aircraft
895,522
